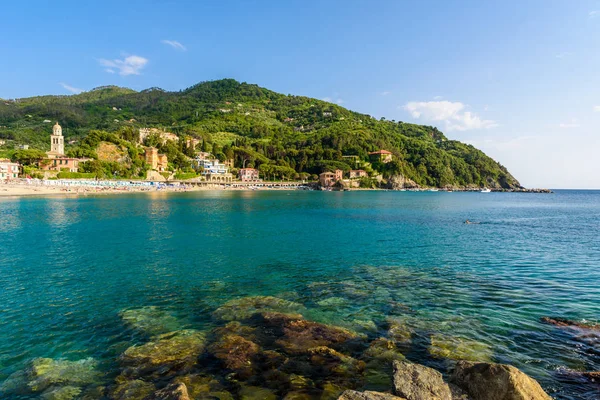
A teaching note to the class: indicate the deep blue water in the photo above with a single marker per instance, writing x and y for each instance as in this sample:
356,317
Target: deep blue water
69,265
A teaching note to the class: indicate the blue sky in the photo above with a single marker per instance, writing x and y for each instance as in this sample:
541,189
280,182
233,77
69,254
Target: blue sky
520,80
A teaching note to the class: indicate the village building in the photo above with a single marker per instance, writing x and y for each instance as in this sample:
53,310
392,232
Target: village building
62,163
328,179
157,162
248,175
382,156
57,142
8,169
358,173
163,135
192,142
212,169
2,142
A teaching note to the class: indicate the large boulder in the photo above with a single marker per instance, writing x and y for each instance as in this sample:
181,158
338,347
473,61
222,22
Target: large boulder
417,382
354,395
496,382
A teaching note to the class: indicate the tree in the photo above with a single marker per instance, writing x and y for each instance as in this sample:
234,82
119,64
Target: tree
29,156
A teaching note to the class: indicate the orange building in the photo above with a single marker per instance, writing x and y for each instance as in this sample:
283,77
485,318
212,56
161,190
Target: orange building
157,162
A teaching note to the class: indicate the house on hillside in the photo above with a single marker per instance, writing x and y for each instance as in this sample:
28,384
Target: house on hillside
383,156
358,173
157,162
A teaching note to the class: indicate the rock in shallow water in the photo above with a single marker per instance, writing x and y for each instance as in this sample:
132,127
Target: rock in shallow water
246,307
456,348
133,390
61,393
46,372
496,382
417,382
236,354
150,320
174,391
168,353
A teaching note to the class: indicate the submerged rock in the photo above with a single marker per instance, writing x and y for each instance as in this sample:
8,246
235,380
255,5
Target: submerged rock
133,390
399,332
456,348
174,391
331,362
236,353
203,387
150,320
256,393
496,382
62,393
563,322
368,395
300,336
379,357
417,382
46,372
246,307
169,352
333,302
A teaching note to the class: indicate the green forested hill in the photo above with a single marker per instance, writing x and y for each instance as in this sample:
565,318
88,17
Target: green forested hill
283,135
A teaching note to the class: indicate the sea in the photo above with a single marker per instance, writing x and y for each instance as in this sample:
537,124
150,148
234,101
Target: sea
70,267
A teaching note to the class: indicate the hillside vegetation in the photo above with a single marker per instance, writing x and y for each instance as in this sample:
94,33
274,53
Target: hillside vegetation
284,136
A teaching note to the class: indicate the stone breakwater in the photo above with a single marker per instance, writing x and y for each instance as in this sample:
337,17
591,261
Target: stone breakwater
264,348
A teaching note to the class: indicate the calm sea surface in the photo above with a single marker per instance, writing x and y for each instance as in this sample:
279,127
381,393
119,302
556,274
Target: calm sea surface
68,266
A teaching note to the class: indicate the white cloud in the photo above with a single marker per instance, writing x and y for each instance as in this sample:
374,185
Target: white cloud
130,65
437,97
596,108
594,14
174,44
385,93
70,88
452,114
569,125
564,54
339,101
327,99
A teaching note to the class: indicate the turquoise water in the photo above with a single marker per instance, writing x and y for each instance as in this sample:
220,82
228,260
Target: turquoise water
68,266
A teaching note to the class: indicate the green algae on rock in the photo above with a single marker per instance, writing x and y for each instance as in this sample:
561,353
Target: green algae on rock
300,336
61,393
245,307
236,354
256,393
457,348
150,320
201,387
46,372
136,389
171,351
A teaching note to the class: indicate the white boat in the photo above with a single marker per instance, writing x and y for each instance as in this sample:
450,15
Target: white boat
433,190
485,190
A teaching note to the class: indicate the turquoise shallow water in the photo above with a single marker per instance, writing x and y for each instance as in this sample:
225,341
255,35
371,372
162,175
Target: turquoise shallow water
68,267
